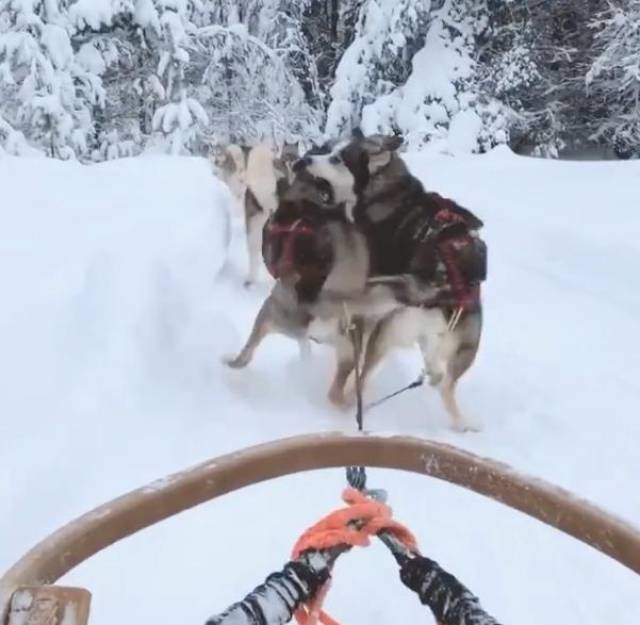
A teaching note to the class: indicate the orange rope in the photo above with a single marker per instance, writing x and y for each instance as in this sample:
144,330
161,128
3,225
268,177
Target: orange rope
353,525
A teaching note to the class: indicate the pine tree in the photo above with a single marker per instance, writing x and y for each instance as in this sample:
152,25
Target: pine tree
281,27
43,93
96,80
613,80
181,119
248,89
534,57
119,48
387,36
319,27
509,67
13,142
425,86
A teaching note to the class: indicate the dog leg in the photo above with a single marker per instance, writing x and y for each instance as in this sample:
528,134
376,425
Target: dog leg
439,375
457,352
345,364
255,217
447,389
305,349
399,329
381,340
254,249
434,367
262,326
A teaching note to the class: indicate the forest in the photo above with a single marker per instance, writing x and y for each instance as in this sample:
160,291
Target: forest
100,79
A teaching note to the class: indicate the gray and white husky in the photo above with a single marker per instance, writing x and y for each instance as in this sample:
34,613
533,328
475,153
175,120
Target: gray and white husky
380,195
384,272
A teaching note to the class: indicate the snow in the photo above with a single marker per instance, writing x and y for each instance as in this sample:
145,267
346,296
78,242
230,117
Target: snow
55,41
93,13
360,80
439,103
146,15
464,129
118,306
90,59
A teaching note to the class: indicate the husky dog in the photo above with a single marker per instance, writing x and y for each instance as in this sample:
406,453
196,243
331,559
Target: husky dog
321,303
379,195
252,174
230,164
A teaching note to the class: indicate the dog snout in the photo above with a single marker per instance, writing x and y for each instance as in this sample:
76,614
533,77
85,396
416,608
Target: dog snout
301,164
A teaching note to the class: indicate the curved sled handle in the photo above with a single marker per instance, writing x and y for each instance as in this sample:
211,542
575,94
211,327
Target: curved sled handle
92,532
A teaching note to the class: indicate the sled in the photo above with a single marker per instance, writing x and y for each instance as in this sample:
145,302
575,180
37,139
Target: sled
29,596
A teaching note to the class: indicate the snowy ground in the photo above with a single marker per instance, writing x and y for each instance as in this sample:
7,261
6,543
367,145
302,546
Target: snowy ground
115,314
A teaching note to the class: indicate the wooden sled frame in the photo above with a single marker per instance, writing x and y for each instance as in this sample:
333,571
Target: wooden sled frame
27,586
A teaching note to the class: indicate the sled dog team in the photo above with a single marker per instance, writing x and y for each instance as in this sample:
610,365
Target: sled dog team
358,248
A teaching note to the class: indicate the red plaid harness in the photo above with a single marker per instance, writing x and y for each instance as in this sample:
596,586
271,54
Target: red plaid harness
288,235
464,296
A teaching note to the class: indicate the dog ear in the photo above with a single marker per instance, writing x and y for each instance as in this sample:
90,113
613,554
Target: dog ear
357,160
290,152
229,164
380,149
379,143
320,148
392,142
378,161
280,168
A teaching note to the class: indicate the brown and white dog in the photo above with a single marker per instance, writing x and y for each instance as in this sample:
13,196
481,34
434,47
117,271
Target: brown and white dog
252,174
314,306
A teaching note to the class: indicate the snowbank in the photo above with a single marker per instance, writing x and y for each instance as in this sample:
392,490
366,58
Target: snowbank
106,268
113,323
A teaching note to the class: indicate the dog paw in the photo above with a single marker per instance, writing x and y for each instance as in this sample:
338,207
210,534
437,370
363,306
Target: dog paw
234,362
340,399
305,350
464,428
336,397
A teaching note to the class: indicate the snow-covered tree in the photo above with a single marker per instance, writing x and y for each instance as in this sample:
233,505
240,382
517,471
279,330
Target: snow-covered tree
443,102
614,77
320,28
248,89
103,79
387,35
534,57
13,142
181,119
43,93
412,69
118,43
561,47
280,25
508,65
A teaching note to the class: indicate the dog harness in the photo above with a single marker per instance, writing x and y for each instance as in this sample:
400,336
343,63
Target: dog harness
465,292
282,238
293,248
